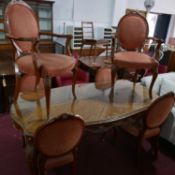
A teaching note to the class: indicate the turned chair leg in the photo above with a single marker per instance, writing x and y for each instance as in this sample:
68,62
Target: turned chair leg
154,71
81,49
138,156
155,146
17,87
47,87
75,70
90,52
113,75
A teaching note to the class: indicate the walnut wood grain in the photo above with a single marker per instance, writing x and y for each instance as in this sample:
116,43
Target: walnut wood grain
92,105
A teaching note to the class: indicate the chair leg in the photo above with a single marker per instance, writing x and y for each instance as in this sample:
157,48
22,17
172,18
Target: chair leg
154,71
81,49
139,146
73,168
134,78
47,87
75,70
91,48
155,146
106,51
17,87
36,83
95,54
113,74
40,166
74,163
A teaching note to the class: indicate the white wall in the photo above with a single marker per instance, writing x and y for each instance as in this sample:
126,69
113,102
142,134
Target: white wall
72,12
161,6
118,11
102,12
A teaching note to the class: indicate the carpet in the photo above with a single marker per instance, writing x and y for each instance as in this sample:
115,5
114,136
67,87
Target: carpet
95,157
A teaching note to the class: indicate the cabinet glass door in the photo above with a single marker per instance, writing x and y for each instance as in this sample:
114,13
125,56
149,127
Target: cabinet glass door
45,19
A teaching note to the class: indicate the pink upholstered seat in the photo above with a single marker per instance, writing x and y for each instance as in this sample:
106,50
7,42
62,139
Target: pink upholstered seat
23,30
54,64
134,60
131,34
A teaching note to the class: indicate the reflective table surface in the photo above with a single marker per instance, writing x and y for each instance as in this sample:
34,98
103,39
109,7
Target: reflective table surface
92,104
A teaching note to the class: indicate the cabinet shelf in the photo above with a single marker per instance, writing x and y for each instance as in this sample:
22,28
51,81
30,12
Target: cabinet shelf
44,11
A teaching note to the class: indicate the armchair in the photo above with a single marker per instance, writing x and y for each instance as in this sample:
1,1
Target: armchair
131,34
24,33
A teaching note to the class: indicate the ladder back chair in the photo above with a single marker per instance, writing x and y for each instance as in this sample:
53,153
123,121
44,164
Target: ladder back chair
89,38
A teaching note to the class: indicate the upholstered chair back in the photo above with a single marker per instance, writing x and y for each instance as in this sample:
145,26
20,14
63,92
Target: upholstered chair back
132,31
159,110
21,22
60,136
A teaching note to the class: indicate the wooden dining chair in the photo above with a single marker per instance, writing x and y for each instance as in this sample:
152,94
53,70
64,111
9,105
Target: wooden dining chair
148,126
89,39
55,143
23,31
131,34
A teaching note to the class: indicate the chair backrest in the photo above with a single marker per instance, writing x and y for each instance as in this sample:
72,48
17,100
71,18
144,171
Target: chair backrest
21,22
59,136
88,29
159,110
132,31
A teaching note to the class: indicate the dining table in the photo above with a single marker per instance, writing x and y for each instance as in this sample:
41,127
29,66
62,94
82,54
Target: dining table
92,105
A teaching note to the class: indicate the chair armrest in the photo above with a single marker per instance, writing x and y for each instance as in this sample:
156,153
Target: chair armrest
34,42
22,38
114,46
67,37
156,52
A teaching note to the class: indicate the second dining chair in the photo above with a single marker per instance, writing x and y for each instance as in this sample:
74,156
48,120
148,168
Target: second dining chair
131,34
55,144
148,125
23,31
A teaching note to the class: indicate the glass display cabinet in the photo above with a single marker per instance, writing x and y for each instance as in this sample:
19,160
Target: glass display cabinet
43,9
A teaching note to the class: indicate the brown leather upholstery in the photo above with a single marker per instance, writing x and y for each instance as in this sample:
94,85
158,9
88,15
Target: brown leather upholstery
56,142
149,124
23,30
131,34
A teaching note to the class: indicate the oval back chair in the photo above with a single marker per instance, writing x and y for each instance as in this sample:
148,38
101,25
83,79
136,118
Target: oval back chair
56,142
23,30
131,34
148,126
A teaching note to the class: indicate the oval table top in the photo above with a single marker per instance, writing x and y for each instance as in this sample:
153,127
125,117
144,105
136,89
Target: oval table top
92,104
